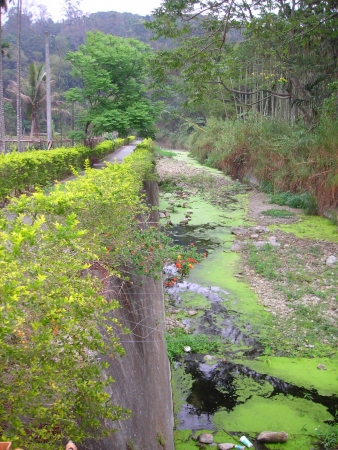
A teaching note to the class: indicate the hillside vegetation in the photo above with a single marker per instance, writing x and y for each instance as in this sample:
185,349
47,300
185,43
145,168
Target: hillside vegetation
279,156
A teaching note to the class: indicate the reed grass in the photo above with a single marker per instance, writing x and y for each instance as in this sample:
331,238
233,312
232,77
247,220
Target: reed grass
282,156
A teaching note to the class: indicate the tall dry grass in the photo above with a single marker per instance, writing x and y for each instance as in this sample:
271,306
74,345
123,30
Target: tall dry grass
288,158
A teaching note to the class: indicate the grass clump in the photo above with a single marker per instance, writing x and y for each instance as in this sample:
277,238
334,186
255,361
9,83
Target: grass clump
265,261
282,213
278,213
168,185
328,436
303,201
164,153
199,343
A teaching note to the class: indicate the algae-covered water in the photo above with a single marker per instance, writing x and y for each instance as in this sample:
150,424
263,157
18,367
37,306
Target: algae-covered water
244,390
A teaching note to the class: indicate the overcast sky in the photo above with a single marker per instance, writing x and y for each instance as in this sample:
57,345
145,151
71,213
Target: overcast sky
142,7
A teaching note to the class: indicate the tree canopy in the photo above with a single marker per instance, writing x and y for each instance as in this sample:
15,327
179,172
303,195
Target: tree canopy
113,73
288,51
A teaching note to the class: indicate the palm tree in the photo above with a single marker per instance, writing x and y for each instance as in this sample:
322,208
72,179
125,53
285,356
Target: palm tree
4,48
32,95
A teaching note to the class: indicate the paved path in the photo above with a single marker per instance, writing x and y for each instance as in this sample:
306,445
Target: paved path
118,155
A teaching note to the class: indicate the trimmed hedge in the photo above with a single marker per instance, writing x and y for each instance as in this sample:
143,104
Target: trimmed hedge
22,172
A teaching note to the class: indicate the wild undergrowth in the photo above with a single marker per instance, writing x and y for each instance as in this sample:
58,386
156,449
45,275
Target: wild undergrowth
287,158
179,339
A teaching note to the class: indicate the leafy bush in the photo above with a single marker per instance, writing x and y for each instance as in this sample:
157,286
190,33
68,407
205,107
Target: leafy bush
303,201
147,144
51,383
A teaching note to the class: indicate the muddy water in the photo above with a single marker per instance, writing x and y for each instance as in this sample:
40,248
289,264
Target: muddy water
245,390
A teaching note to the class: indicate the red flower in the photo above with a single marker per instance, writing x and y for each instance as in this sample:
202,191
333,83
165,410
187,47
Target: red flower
178,265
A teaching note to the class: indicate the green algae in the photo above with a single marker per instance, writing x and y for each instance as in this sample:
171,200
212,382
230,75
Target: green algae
246,387
181,384
311,227
203,212
219,269
293,415
301,372
183,441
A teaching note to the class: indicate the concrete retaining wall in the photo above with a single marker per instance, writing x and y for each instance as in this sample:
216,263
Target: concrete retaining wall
142,376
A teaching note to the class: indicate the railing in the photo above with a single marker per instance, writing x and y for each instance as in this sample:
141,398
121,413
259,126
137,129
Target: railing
43,144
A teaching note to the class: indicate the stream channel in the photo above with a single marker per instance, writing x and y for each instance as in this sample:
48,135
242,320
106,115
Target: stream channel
243,391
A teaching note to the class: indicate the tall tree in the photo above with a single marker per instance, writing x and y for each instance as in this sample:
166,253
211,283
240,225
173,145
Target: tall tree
294,42
33,95
113,73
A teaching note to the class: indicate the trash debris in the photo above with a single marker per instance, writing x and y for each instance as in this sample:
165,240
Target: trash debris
71,446
226,446
187,349
246,441
273,436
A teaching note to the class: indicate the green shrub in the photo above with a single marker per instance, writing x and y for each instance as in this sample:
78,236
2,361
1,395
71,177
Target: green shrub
304,201
147,144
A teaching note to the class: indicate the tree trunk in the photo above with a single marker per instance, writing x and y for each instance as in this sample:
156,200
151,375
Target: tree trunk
48,95
35,128
18,77
2,114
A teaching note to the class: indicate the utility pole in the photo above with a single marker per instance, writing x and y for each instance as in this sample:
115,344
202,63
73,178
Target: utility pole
18,78
2,114
48,95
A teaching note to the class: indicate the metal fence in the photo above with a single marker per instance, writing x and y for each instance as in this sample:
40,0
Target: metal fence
11,145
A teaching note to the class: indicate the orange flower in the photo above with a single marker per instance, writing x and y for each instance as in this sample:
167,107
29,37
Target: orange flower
191,266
